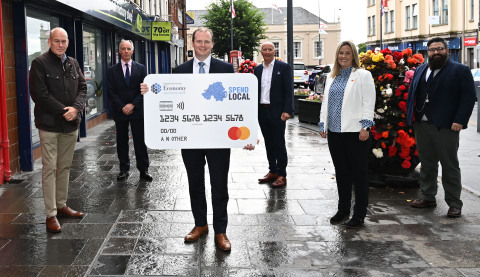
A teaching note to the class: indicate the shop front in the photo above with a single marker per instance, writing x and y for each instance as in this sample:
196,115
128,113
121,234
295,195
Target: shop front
94,36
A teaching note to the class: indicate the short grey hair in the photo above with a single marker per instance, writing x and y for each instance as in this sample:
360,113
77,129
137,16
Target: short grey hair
126,40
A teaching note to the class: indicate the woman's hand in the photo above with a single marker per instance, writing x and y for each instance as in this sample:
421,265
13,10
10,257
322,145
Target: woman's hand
364,134
323,134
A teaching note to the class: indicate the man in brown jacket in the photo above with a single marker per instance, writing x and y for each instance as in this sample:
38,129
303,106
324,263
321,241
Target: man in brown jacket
58,88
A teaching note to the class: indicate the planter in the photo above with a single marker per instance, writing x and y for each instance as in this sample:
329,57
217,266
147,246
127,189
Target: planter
295,102
309,111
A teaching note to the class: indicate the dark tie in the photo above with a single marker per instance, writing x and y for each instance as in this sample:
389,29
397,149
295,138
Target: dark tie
430,78
127,74
201,70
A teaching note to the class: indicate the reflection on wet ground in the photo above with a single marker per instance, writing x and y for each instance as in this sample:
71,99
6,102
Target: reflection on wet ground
137,228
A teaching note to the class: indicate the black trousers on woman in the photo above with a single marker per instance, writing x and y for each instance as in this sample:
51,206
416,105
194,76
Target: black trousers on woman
350,158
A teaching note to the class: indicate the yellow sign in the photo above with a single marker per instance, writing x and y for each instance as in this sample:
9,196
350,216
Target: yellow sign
161,31
147,30
139,22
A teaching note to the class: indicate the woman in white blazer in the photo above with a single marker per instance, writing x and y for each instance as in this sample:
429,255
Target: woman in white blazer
345,120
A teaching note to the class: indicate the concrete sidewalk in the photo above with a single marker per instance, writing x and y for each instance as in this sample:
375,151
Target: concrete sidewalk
137,228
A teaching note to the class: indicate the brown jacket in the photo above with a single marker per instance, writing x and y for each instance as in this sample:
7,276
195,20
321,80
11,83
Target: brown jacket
53,86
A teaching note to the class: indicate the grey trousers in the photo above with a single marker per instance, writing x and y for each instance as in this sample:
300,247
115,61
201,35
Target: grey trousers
57,156
439,145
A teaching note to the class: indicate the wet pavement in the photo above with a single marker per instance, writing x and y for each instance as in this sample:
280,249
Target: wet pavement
137,228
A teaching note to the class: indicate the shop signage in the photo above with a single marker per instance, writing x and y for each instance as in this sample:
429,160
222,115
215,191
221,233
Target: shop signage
118,12
452,43
161,31
470,41
190,17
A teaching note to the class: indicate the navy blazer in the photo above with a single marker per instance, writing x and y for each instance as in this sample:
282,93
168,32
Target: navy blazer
452,96
281,89
120,94
216,66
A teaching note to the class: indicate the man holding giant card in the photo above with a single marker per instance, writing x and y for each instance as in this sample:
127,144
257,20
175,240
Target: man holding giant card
204,116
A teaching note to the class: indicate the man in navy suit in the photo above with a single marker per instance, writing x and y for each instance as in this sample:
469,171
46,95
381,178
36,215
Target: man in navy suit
124,81
275,88
439,104
218,159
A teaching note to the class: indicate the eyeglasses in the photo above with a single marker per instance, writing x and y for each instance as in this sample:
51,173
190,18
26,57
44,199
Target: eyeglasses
438,49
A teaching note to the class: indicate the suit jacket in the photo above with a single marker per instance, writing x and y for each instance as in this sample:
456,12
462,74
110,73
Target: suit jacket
281,88
120,94
451,97
358,100
216,66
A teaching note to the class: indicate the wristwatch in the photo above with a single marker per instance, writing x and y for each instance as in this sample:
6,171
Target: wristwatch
367,129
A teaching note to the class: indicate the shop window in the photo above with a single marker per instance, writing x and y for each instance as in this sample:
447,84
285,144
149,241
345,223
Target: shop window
93,69
38,31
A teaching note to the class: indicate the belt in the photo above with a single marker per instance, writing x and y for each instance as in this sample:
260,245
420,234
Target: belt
265,105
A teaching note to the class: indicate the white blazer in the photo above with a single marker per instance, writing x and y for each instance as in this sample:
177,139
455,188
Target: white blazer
358,101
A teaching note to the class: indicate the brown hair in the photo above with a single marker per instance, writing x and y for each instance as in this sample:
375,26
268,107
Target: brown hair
355,61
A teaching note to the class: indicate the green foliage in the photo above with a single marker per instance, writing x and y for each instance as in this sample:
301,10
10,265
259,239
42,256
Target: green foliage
248,27
362,47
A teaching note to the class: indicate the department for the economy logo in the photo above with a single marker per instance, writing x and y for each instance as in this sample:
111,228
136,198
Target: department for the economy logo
241,133
156,88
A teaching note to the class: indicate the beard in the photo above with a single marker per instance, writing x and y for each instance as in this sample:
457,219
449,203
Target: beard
437,61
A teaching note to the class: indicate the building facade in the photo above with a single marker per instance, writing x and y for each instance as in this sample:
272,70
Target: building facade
411,23
309,46
95,29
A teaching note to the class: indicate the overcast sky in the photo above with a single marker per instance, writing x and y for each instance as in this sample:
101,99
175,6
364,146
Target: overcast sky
352,13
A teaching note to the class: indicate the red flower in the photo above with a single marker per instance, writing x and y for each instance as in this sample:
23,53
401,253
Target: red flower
377,136
405,96
402,124
402,87
398,92
397,55
392,151
384,145
403,105
406,164
385,134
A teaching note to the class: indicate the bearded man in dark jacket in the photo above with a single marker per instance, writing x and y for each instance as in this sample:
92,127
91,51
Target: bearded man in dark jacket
58,88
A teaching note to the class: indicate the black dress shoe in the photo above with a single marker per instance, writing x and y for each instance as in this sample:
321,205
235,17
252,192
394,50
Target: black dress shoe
144,175
454,212
122,175
339,217
422,203
354,223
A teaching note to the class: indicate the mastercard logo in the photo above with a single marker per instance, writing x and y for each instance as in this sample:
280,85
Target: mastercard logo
242,133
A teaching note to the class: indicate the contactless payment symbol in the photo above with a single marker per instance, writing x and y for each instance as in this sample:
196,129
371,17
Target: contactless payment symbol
242,133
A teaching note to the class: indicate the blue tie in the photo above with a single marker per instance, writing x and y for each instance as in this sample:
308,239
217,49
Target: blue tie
127,74
202,70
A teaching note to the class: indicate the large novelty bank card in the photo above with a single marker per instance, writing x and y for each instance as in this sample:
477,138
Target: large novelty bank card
201,111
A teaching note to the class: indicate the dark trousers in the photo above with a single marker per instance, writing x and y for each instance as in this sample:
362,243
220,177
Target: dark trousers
273,130
350,158
439,145
140,148
218,166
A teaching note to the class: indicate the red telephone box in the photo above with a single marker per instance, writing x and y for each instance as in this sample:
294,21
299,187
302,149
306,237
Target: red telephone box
235,57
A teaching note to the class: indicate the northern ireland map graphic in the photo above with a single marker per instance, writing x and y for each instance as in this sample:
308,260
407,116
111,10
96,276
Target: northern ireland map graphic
216,90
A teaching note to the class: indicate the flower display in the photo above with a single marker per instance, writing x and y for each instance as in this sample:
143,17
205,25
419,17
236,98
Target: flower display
393,146
247,66
302,92
315,98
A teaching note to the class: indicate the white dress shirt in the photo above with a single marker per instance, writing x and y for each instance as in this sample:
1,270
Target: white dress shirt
206,66
266,82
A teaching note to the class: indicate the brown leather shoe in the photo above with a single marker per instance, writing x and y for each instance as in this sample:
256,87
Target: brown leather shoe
53,225
422,203
280,182
222,242
268,178
196,233
454,212
67,212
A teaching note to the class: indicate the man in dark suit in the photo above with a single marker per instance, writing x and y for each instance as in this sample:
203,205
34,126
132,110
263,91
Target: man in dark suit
275,88
439,104
124,81
218,159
